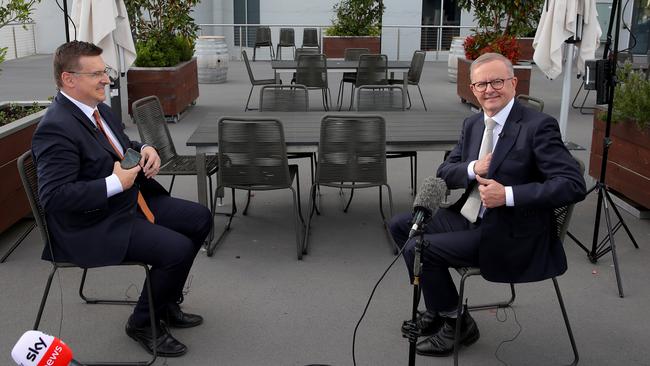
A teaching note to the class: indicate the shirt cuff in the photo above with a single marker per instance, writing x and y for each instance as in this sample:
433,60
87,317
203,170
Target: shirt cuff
113,185
143,146
510,198
470,170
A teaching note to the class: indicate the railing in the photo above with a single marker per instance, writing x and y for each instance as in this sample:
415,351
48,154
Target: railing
19,39
398,41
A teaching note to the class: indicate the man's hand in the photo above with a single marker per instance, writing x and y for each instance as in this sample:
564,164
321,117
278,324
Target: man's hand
482,166
150,162
493,193
126,176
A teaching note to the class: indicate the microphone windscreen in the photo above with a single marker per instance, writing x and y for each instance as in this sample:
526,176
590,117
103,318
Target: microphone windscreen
36,348
431,193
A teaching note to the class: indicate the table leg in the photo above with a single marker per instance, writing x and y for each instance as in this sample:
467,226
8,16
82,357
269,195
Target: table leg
277,76
405,79
201,176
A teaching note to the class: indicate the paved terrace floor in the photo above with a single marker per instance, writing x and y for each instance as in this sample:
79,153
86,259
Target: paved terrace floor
263,307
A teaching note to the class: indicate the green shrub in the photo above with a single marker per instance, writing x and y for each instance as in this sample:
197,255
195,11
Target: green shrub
163,51
14,112
632,97
357,18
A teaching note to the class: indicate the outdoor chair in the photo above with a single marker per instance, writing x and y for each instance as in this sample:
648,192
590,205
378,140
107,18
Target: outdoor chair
311,72
288,98
310,38
28,176
287,39
413,77
531,102
349,54
387,98
148,115
351,155
372,70
263,39
254,157
562,218
254,82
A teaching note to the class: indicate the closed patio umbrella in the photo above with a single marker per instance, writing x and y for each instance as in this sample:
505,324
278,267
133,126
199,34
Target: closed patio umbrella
106,24
563,21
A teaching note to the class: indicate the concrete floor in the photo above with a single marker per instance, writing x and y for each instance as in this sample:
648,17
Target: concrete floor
263,307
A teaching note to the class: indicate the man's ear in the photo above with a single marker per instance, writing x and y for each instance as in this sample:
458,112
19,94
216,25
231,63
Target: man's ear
514,82
68,79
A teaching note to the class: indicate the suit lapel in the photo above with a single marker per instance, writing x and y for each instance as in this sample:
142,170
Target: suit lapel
476,137
507,138
115,127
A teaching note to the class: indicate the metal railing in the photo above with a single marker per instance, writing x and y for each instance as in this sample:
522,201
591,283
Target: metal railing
432,38
19,39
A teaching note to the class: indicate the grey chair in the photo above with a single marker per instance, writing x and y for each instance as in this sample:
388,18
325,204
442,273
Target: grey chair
288,98
311,72
562,217
351,155
350,54
310,38
287,39
387,98
413,77
29,178
263,39
372,70
148,115
532,102
251,77
254,158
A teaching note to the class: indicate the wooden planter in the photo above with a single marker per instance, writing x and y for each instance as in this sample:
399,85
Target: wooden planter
628,161
15,139
334,46
526,49
177,87
522,72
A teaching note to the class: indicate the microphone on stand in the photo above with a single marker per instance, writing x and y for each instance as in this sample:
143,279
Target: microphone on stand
432,192
36,348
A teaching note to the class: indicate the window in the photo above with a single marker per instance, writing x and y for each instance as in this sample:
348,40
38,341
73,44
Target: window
431,10
640,27
246,12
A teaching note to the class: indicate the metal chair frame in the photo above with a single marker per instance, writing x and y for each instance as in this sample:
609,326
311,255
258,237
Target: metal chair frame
414,75
312,72
245,148
354,163
27,170
349,54
287,39
254,82
263,39
372,70
532,102
310,38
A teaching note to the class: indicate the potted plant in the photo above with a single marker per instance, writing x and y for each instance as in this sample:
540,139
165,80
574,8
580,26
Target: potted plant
628,160
18,121
357,25
499,25
164,35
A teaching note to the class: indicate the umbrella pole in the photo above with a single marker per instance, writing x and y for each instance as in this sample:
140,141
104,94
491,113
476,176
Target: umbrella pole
65,21
566,89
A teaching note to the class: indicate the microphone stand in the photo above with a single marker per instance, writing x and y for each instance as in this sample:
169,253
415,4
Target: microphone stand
417,270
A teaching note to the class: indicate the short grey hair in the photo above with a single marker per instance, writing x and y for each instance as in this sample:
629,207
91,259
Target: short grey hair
489,57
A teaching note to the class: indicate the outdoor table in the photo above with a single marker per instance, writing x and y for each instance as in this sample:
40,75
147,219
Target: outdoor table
405,131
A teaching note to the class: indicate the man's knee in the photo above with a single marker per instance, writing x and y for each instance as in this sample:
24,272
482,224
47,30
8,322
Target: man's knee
399,228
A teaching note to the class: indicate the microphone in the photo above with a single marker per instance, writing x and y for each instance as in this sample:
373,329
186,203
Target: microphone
432,191
36,348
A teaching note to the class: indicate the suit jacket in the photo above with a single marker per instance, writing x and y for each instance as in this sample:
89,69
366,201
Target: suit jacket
519,244
73,158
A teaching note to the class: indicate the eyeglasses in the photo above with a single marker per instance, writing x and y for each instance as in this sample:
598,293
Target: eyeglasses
108,71
497,84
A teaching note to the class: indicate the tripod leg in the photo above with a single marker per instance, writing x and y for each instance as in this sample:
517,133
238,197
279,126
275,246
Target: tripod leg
620,220
613,247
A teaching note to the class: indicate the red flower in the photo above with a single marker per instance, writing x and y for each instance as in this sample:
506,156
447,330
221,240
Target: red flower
481,43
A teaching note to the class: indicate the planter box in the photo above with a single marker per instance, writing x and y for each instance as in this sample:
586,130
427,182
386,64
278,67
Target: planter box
522,72
526,48
628,160
15,139
334,46
177,87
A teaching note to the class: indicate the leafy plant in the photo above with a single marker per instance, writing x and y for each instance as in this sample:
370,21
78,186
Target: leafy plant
15,11
164,31
14,112
499,23
357,18
632,97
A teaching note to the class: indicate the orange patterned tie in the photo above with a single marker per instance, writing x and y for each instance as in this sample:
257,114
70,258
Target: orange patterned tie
142,204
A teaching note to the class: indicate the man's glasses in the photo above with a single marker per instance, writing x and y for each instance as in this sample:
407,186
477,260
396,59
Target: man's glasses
108,71
497,84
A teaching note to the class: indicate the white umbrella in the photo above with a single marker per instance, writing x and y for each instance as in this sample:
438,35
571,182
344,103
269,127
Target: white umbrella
561,20
106,24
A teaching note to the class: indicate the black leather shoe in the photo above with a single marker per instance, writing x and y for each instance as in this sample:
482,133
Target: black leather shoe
442,343
176,318
426,324
166,344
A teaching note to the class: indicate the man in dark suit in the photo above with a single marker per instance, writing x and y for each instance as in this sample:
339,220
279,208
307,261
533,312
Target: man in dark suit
100,214
515,169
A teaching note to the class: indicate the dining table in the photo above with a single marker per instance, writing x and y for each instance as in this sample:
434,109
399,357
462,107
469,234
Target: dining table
405,131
